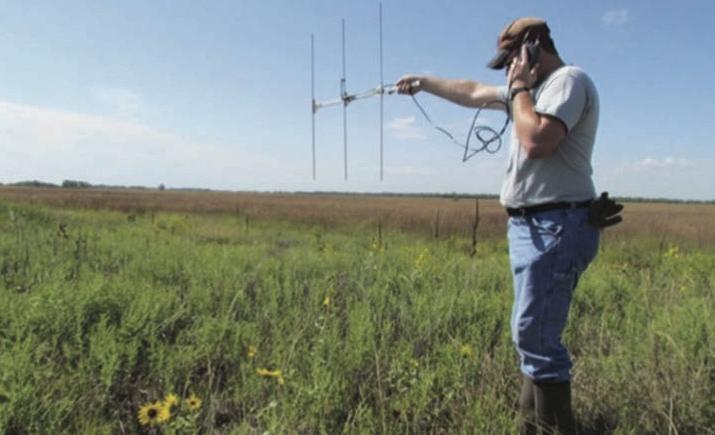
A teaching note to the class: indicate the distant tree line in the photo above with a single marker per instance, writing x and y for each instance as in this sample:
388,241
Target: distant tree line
74,184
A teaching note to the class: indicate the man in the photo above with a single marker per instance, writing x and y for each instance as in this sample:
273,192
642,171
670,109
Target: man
553,228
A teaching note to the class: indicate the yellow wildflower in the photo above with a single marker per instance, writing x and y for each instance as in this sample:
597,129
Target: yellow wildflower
673,251
252,351
265,373
153,414
193,402
275,374
422,259
466,350
326,301
171,400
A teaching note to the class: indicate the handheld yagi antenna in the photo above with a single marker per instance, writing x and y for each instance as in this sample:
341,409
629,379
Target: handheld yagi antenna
346,98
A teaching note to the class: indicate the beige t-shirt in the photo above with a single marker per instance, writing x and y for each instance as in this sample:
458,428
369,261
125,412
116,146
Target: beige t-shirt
569,95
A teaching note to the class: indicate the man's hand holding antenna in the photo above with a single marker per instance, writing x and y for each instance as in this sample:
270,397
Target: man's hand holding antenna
409,84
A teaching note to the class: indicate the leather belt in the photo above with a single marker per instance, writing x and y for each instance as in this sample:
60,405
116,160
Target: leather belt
564,205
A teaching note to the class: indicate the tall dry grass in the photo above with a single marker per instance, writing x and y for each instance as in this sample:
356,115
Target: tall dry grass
665,223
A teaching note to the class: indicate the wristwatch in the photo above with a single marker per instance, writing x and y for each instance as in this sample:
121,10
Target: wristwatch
513,92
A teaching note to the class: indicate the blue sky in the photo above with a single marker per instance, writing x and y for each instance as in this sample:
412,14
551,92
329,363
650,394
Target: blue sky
216,94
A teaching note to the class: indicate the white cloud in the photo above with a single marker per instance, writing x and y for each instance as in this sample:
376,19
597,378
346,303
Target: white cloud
652,163
53,145
123,102
405,128
615,17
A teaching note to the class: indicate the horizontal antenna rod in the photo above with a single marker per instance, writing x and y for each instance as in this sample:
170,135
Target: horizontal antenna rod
348,98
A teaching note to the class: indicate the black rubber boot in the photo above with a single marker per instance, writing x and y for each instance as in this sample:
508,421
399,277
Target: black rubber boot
527,408
553,408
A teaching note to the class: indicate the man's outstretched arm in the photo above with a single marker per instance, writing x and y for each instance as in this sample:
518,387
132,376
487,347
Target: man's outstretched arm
466,93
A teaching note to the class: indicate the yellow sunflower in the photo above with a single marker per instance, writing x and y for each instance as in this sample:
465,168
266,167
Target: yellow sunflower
193,402
153,414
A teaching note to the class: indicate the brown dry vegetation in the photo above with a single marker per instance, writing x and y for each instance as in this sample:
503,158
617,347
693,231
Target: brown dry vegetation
663,222
668,222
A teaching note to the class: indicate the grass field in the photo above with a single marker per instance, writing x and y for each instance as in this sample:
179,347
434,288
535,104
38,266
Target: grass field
297,315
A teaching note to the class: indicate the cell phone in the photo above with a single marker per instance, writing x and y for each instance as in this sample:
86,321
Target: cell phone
532,51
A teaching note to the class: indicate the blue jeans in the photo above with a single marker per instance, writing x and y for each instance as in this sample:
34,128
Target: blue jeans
548,252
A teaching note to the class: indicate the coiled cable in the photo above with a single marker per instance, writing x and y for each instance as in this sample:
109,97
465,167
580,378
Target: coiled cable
490,138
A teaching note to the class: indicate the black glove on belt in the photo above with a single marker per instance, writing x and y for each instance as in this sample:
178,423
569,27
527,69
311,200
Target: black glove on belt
603,212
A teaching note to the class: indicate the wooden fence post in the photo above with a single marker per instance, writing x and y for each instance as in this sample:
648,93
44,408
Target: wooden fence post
475,225
436,226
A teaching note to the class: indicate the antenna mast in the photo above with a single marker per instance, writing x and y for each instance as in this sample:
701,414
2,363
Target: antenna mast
312,95
382,98
346,101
